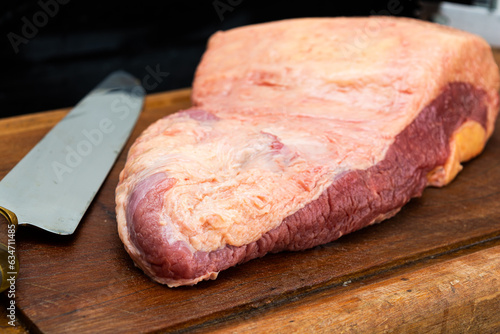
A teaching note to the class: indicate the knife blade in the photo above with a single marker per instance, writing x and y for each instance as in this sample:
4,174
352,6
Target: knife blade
54,184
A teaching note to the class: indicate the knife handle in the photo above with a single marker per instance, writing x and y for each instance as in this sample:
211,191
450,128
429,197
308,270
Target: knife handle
9,264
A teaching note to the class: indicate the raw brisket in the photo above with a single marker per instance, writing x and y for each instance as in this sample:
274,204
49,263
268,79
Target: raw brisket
302,131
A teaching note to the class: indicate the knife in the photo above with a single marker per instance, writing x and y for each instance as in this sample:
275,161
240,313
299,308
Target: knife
54,184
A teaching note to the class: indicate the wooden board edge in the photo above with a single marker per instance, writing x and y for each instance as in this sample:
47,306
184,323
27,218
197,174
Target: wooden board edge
47,119
457,295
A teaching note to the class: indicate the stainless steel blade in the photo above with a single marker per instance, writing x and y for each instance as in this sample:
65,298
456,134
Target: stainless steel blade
54,184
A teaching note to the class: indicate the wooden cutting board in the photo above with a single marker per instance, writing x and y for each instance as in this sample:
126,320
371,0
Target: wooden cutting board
435,266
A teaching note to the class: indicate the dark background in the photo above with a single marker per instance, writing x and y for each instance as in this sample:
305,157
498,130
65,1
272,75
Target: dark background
76,44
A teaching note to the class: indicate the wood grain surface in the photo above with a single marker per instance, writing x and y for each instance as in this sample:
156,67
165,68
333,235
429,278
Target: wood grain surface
432,268
462,296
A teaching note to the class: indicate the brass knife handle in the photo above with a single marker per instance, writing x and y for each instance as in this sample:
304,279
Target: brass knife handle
9,264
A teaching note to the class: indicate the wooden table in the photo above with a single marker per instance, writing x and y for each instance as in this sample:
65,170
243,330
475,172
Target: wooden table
435,267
